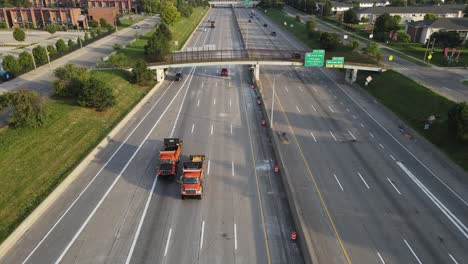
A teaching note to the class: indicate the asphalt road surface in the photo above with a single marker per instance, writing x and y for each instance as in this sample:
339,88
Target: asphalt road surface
369,192
118,211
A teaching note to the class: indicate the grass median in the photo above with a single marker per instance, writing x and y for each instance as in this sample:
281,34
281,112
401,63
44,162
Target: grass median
414,103
34,161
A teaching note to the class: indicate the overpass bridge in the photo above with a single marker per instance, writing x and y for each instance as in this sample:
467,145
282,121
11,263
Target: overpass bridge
232,3
253,57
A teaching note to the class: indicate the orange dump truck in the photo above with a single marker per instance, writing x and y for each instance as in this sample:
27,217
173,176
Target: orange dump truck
169,157
192,177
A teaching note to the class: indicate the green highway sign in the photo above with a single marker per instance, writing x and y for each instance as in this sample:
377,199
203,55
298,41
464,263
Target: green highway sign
335,62
247,2
314,58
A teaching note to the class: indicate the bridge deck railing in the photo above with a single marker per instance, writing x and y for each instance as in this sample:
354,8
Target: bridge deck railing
228,55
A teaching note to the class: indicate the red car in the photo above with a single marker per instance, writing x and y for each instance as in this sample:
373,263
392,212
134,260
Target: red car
224,72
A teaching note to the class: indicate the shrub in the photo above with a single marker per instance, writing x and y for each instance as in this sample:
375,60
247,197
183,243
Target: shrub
51,29
103,22
329,41
458,120
98,31
71,43
354,44
93,24
60,46
93,34
169,13
141,73
25,60
311,25
404,37
116,60
86,37
350,17
51,49
185,9
97,94
70,79
19,35
298,18
117,47
40,55
11,65
29,109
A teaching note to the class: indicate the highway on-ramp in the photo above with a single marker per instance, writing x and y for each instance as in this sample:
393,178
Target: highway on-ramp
118,211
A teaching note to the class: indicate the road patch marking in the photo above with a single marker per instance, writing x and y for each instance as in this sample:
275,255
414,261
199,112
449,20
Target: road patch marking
380,257
352,135
211,129
235,236
208,170
202,234
214,101
333,135
331,109
287,90
298,109
381,146
453,259
372,136
232,165
393,158
198,102
193,126
314,107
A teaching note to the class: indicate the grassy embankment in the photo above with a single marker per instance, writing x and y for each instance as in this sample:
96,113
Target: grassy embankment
181,31
299,31
414,103
128,21
34,161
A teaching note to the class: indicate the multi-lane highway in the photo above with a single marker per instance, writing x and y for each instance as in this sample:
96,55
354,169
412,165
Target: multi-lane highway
384,197
118,211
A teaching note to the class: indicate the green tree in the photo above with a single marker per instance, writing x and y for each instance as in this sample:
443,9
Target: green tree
103,22
29,109
404,37
383,24
169,13
430,16
329,41
151,6
60,46
10,64
350,17
97,94
157,47
70,79
25,60
166,32
446,39
93,24
185,9
397,18
19,35
354,44
40,55
458,120
398,3
141,73
51,49
51,29
311,25
374,50
327,8
465,11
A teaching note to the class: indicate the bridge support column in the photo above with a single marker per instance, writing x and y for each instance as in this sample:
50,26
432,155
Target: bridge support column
351,75
160,75
257,72
354,77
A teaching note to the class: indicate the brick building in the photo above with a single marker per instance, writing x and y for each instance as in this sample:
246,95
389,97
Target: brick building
107,13
123,6
33,17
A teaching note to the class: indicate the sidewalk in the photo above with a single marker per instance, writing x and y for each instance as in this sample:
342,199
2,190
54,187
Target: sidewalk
444,81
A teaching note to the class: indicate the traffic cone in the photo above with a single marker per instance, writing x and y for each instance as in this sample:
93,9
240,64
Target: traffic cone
293,235
263,122
276,168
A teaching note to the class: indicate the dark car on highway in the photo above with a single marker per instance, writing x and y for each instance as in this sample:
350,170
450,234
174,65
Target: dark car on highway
224,72
273,33
296,55
265,25
179,76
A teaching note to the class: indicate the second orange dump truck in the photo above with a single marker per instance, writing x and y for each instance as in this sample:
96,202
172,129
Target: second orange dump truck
192,177
169,157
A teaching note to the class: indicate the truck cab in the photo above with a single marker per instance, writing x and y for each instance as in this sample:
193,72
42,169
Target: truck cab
169,157
192,177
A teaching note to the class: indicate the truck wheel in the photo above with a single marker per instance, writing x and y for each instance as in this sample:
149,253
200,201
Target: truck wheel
199,197
182,197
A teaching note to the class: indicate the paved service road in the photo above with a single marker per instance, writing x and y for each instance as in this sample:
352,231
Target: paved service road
41,78
391,198
444,81
119,212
